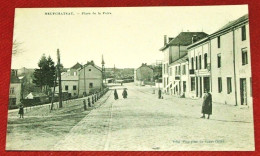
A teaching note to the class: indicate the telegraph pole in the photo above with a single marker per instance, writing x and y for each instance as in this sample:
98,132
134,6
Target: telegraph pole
103,72
59,76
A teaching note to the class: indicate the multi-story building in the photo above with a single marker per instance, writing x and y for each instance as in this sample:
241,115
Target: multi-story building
15,89
231,63
90,78
199,68
175,49
69,81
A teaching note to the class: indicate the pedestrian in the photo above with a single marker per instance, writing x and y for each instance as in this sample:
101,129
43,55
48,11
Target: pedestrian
207,104
84,103
89,104
124,94
159,94
115,95
21,111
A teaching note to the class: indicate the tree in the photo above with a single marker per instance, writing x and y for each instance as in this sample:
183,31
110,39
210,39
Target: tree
17,47
45,75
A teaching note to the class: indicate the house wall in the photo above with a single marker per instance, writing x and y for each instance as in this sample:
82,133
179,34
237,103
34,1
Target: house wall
94,76
165,70
243,71
200,74
144,73
226,69
70,84
16,93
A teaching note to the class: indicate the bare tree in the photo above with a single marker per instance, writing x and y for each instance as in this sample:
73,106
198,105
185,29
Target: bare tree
17,47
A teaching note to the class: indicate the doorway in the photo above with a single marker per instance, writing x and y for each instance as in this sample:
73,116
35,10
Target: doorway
243,91
200,86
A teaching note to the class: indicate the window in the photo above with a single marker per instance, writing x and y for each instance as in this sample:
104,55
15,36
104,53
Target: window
89,69
192,63
244,57
200,62
243,32
205,61
218,41
229,85
66,87
219,60
164,68
176,70
184,70
12,90
219,85
75,73
90,85
196,63
179,70
167,80
192,83
74,87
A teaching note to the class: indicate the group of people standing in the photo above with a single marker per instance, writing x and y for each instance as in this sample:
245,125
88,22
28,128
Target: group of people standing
124,94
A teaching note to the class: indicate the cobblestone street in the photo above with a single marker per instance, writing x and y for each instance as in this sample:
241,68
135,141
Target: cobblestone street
142,122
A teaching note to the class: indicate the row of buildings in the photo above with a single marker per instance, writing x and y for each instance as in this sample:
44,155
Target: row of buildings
220,63
77,81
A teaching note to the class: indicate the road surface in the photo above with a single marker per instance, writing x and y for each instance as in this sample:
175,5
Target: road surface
142,122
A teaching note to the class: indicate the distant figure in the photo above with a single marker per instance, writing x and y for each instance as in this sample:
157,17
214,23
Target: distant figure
21,112
89,104
207,104
85,105
115,95
124,94
159,94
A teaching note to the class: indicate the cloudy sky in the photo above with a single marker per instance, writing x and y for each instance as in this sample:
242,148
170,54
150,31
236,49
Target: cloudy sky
126,37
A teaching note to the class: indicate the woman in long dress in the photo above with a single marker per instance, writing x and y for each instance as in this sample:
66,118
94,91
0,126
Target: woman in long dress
115,95
207,105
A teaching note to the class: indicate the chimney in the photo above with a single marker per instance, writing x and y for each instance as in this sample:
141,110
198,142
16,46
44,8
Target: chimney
165,39
193,39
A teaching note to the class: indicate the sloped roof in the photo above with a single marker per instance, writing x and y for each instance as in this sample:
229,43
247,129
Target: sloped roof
76,66
234,22
180,60
185,38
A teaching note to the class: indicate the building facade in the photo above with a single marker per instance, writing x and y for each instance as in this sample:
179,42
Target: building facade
173,50
90,79
70,82
231,63
15,91
199,68
144,74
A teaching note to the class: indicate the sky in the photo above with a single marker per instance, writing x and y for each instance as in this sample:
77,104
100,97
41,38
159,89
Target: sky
125,36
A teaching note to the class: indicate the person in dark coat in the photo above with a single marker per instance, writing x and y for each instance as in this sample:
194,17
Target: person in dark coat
207,104
124,94
115,95
159,94
21,111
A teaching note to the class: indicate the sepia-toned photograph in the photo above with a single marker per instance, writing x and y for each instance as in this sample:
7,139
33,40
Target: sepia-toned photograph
131,79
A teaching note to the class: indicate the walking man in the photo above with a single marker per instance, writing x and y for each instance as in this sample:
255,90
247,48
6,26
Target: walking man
207,104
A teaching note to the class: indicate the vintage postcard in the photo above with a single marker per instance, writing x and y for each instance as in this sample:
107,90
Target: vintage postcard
131,79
